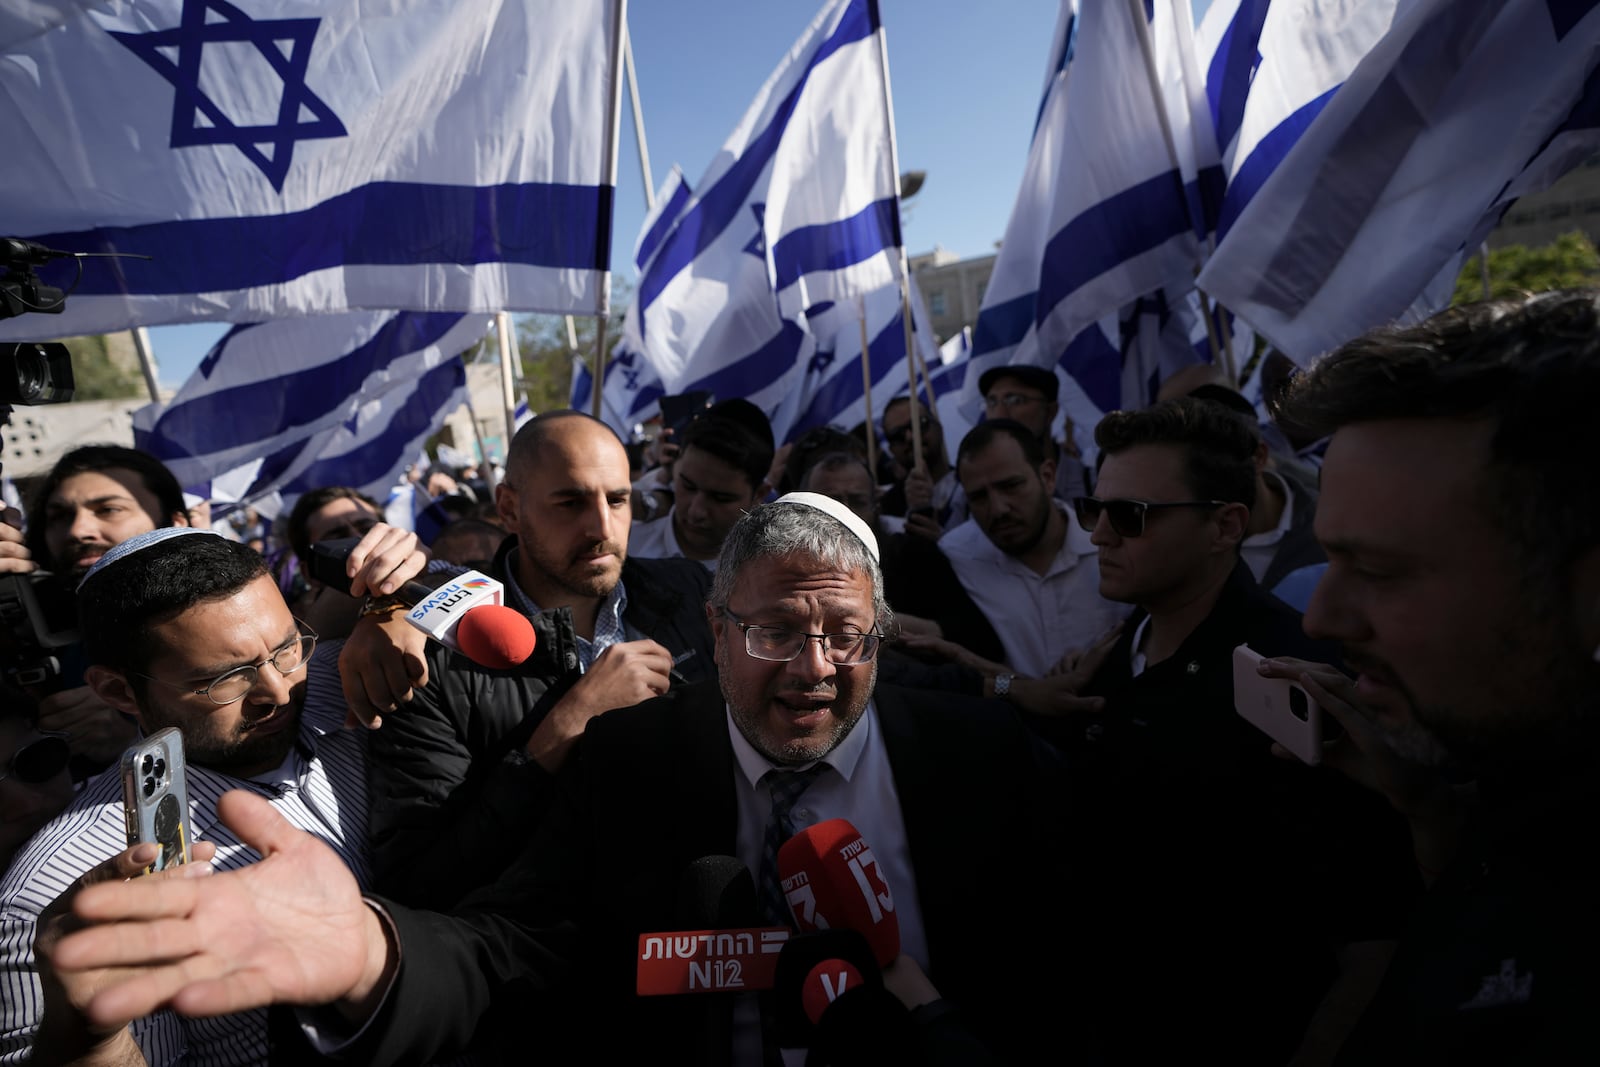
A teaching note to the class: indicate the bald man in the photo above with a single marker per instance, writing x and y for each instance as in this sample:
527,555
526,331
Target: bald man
471,758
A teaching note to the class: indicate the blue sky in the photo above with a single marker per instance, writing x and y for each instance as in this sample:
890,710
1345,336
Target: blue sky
966,79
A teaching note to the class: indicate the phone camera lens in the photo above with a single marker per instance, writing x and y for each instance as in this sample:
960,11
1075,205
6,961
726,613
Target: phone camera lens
161,768
1297,702
144,767
149,787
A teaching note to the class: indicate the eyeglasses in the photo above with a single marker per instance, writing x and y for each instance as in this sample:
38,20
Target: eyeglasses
778,645
1010,400
226,688
39,761
1127,516
901,434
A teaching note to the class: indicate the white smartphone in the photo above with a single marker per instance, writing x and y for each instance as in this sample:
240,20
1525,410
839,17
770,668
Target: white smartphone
1278,707
155,797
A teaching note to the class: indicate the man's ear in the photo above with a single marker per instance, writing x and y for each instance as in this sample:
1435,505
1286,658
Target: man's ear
1233,523
1047,474
111,687
505,502
181,518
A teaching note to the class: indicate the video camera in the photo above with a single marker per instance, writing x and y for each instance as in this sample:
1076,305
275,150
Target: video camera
38,611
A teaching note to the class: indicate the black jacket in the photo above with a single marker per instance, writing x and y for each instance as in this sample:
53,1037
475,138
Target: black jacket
452,795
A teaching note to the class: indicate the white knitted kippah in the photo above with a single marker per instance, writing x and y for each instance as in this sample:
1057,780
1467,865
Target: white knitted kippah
141,541
838,511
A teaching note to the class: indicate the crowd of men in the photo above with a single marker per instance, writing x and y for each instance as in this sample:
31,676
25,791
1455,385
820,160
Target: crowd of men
1011,670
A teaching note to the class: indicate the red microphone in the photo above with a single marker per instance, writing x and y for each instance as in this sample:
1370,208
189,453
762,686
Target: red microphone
495,636
832,881
826,983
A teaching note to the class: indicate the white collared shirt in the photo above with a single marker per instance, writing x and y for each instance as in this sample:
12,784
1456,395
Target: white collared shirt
861,790
1258,549
1038,617
657,540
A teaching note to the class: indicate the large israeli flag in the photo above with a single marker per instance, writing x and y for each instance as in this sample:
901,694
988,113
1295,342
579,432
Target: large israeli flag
1392,179
314,156
1111,205
795,215
632,391
281,404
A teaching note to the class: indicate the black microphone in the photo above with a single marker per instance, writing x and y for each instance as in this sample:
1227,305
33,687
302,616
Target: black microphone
465,611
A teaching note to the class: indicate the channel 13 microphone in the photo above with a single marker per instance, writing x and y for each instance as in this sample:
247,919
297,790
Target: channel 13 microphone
832,881
465,612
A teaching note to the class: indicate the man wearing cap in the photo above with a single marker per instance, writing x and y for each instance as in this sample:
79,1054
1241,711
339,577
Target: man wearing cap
956,799
184,628
1031,396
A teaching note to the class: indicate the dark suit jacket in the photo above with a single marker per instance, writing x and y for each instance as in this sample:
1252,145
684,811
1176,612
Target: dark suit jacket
554,942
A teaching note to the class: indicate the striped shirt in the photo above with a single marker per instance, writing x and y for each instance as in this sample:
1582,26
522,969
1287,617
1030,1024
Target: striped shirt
321,788
609,628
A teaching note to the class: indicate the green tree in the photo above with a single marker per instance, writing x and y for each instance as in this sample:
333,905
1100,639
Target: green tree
1570,261
98,376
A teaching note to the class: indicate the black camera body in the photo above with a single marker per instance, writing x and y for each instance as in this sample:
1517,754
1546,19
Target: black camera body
38,630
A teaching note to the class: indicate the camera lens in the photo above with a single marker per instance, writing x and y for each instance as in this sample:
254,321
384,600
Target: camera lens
33,373
161,768
149,787
144,767
1297,702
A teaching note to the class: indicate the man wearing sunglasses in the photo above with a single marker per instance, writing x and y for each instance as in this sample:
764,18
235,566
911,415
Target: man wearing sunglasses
1294,879
184,628
958,802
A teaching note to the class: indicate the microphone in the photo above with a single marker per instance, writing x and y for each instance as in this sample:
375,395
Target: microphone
832,881
724,950
465,612
832,1000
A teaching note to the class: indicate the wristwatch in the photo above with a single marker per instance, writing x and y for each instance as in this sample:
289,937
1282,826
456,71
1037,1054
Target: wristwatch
1002,684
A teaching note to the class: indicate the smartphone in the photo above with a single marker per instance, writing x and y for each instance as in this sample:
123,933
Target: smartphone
1278,707
155,797
677,412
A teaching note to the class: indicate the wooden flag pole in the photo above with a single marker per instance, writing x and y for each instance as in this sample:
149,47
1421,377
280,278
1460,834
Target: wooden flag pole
866,387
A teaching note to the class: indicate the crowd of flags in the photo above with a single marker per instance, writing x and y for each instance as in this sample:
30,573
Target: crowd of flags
1295,173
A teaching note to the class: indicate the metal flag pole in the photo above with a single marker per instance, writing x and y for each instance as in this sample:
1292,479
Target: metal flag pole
147,362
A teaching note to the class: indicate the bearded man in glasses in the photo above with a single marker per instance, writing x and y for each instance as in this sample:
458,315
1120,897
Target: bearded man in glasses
958,801
183,628
1294,881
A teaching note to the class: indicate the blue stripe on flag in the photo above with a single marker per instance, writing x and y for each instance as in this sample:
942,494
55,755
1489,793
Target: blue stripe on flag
1060,65
258,411
1249,177
1003,325
831,245
757,370
1233,67
725,200
1096,365
844,387
1110,233
412,420
664,223
381,224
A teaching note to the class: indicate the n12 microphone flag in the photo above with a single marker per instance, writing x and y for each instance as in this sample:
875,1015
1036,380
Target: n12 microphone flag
297,404
795,215
1391,182
443,155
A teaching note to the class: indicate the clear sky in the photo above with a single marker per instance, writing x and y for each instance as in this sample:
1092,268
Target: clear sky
966,80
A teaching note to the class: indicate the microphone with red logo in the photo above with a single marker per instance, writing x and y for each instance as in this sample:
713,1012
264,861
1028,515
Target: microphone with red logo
832,881
722,948
465,612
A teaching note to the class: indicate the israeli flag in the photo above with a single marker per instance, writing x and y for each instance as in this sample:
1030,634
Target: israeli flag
1392,179
1111,205
632,390
796,215
278,405
286,159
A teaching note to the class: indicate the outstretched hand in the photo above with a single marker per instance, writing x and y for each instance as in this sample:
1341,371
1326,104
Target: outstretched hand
290,929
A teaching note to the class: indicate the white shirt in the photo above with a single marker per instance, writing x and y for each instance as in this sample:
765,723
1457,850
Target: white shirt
656,540
320,788
1258,549
861,789
1038,617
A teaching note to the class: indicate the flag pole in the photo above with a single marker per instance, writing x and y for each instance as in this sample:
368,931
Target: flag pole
147,363
489,478
508,402
866,387
905,284
613,120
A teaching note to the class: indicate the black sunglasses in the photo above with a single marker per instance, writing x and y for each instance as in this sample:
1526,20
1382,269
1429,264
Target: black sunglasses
39,761
1127,516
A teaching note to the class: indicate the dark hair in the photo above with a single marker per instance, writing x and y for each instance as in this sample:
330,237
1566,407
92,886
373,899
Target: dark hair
735,443
157,479
987,432
311,503
119,603
833,461
1218,446
815,442
1531,364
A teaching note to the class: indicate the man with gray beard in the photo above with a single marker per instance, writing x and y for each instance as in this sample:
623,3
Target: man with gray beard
1461,518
